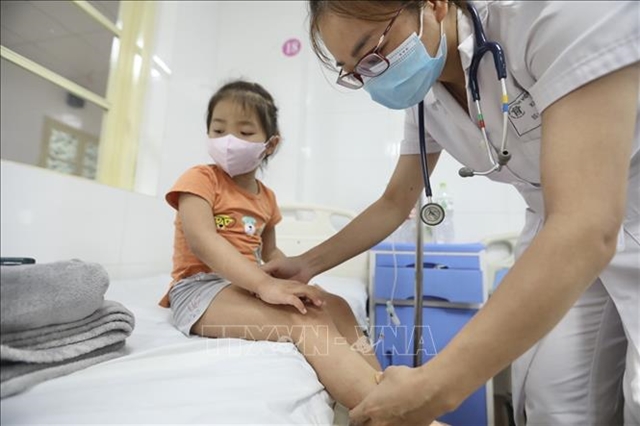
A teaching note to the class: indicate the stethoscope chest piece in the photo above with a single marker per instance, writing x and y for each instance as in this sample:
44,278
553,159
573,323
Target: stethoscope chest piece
432,214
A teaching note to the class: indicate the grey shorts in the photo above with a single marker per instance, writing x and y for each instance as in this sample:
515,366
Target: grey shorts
191,297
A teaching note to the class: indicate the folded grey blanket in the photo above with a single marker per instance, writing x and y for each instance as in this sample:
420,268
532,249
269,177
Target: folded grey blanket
33,296
32,356
19,377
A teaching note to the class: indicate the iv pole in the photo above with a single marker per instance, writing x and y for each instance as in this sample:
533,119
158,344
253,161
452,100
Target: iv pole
417,303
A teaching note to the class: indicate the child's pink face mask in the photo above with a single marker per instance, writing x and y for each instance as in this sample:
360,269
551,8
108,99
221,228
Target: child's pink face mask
234,155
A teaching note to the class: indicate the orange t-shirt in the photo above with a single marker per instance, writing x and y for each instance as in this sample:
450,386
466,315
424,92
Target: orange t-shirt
240,217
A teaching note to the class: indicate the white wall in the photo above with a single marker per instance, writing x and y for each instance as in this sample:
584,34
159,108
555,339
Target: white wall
52,216
191,54
339,148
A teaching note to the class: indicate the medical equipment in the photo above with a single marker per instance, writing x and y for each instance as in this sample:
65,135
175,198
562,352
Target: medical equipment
392,317
432,213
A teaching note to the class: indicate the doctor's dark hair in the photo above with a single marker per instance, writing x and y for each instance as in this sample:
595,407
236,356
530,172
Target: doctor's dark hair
367,10
251,97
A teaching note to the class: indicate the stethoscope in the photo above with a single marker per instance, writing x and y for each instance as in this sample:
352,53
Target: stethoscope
432,213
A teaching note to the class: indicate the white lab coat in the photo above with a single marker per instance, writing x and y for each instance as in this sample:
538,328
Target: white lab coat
552,48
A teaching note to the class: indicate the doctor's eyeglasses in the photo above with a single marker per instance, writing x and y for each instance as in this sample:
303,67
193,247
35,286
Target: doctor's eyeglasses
372,64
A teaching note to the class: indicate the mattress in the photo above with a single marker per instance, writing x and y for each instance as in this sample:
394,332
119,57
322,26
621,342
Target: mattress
167,378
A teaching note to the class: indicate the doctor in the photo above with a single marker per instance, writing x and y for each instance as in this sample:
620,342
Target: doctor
568,313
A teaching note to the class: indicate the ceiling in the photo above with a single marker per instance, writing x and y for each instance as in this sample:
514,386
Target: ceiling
62,37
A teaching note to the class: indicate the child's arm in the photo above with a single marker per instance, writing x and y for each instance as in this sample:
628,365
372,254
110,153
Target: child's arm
270,251
202,235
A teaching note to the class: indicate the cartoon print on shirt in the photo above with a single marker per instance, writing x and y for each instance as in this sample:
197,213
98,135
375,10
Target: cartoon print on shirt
249,225
224,221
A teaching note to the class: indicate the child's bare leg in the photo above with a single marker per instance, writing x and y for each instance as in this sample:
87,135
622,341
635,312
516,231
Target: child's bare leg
345,374
347,325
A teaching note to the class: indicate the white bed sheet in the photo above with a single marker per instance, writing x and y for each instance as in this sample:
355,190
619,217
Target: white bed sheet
167,378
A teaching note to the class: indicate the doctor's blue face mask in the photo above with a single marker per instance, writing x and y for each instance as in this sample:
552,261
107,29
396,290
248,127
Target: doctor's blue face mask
411,73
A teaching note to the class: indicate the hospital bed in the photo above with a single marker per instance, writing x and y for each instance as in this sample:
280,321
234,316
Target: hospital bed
167,378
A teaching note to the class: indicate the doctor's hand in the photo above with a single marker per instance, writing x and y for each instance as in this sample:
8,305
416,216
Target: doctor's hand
290,268
285,292
399,399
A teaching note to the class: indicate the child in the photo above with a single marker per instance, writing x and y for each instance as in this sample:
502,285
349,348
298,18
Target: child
224,231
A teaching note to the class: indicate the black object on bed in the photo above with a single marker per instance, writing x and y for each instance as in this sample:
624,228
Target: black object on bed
10,261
